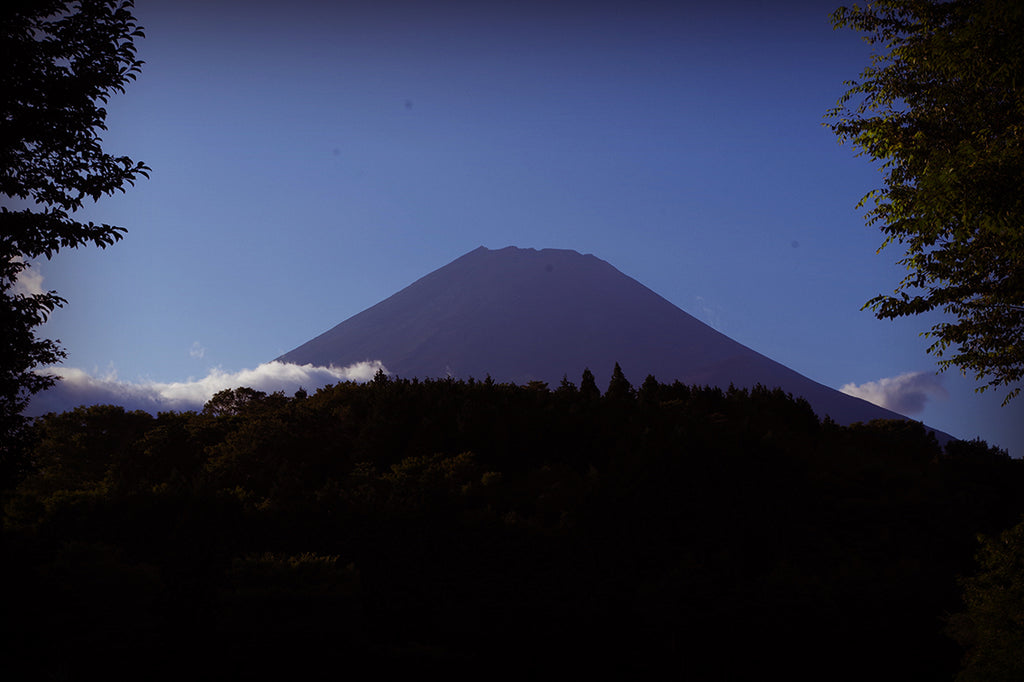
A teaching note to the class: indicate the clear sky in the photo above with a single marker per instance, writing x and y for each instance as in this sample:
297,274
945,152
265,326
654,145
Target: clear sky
312,158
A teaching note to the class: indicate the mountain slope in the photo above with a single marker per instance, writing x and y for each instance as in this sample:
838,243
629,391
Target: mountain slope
522,314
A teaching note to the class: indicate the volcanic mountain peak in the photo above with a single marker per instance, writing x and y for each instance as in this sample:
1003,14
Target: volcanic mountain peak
519,315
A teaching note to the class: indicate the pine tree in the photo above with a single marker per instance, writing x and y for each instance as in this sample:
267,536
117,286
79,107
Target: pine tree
619,388
588,386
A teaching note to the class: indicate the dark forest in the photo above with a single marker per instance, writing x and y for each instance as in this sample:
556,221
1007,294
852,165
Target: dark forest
473,528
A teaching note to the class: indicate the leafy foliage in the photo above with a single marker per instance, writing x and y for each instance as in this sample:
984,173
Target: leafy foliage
941,107
992,626
62,61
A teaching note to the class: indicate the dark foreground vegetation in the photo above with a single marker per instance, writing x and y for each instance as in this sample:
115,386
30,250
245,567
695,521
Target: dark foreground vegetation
482,529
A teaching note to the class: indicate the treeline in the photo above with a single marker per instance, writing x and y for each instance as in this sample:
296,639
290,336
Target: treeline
477,528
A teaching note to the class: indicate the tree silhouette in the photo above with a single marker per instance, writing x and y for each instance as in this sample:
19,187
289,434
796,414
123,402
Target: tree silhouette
62,61
588,386
566,387
619,388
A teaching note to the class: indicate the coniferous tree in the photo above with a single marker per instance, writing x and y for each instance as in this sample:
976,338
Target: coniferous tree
588,386
619,388
650,391
566,387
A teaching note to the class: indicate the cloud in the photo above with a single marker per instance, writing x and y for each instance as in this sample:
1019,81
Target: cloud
29,281
197,351
77,387
711,314
906,393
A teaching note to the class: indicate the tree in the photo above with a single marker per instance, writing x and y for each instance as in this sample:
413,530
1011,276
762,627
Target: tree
941,107
231,402
588,386
991,627
566,387
619,388
62,61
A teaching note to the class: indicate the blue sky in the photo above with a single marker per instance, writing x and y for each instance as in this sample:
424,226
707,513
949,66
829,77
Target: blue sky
311,158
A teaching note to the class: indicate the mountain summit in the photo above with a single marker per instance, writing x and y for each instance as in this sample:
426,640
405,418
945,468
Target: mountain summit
518,315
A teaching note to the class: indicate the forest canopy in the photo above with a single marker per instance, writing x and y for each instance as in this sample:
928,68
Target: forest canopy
404,525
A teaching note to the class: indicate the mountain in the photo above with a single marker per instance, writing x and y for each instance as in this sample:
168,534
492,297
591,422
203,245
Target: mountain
518,315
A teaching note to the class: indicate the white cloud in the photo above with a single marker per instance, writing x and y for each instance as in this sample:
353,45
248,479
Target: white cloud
906,393
30,280
77,387
197,351
710,313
